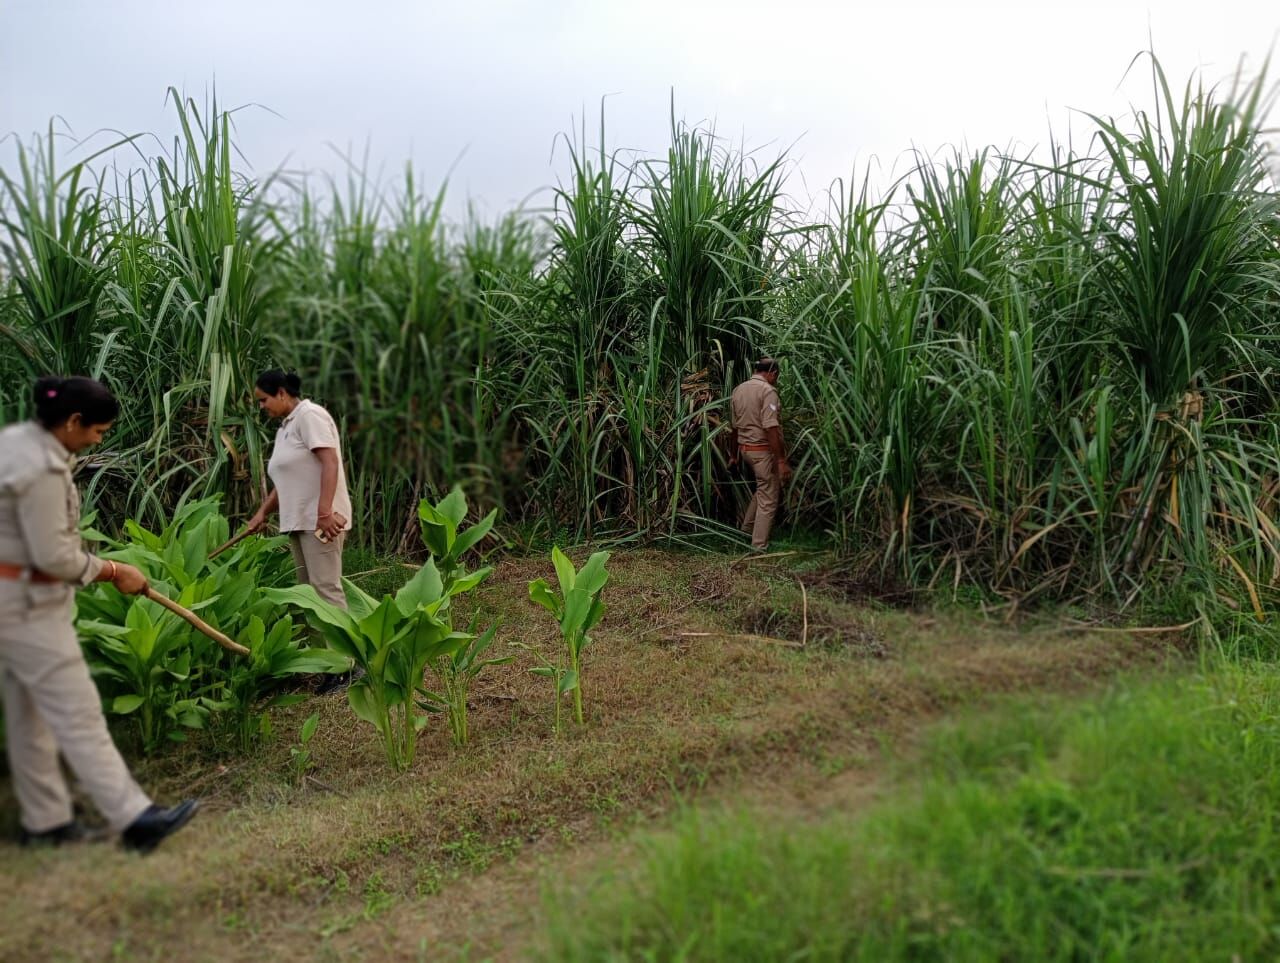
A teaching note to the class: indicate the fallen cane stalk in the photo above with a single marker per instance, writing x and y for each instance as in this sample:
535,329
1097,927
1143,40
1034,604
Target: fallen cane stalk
196,621
745,636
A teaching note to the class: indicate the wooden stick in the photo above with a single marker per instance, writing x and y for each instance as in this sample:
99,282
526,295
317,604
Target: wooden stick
235,540
196,621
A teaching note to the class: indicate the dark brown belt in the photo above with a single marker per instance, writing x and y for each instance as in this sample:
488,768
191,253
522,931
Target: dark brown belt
755,448
20,573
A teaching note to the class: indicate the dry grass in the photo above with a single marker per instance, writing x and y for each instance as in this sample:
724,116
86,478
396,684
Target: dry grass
361,861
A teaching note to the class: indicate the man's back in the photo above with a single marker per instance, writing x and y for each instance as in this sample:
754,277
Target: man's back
755,408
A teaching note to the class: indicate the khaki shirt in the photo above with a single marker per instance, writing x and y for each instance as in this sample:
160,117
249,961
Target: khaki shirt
295,471
755,408
39,521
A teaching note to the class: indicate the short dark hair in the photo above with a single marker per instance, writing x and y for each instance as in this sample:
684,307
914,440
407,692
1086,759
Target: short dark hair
270,382
57,399
766,366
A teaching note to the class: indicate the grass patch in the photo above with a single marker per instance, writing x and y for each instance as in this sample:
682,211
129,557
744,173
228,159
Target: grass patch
1140,826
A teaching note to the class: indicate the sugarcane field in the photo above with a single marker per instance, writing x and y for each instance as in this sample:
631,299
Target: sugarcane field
694,560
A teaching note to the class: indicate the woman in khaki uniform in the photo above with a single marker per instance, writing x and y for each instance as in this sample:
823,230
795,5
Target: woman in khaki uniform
51,705
310,484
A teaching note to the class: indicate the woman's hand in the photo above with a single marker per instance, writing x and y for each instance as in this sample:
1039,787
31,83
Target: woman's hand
331,524
257,523
128,579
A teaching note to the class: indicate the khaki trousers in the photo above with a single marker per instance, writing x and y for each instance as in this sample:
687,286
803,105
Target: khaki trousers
764,503
319,565
51,705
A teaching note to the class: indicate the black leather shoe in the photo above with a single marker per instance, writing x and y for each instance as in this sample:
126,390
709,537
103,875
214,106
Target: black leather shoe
147,831
339,682
71,832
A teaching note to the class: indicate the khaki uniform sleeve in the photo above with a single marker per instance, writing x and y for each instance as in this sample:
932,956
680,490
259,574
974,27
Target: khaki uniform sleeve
48,513
770,409
318,431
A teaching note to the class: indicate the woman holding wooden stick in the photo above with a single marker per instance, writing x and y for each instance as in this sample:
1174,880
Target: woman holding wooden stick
310,490
51,705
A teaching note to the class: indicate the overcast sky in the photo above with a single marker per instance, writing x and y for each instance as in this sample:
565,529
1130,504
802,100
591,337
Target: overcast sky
482,87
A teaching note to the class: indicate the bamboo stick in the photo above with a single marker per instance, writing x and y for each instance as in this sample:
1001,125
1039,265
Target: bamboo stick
196,621
235,540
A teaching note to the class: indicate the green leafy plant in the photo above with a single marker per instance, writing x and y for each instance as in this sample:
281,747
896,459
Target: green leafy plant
273,655
300,759
152,668
457,670
393,641
155,667
578,609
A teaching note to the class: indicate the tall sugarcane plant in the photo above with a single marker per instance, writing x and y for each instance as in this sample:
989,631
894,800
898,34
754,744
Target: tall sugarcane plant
1032,376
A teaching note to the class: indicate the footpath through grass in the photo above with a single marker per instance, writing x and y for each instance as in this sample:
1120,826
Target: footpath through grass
1136,826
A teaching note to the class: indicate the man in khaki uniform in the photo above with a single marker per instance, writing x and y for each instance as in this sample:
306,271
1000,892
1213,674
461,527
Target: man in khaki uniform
757,434
51,704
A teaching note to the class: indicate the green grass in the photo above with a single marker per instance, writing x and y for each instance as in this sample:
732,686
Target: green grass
1140,826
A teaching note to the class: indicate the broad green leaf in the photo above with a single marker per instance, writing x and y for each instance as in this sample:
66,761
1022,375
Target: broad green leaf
359,602
567,682
253,634
142,640
437,532
180,668
540,592
543,670
195,550
123,705
352,646
425,587
594,615
101,629
235,594
312,660
381,625
362,702
309,728
473,535
577,605
305,598
468,582
379,660
564,570
280,636
592,577
482,643
453,506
